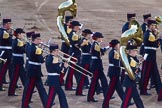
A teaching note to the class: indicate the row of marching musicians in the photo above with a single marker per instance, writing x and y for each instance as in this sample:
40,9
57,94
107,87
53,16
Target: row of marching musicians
91,60
13,50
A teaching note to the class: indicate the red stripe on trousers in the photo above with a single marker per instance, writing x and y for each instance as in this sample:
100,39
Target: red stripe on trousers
82,80
14,80
62,78
70,77
29,92
93,86
3,72
127,99
50,96
110,91
146,77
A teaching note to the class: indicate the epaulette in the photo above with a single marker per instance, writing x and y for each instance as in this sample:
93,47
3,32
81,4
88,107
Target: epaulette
38,51
85,42
97,47
55,60
75,37
68,30
5,35
20,43
116,55
151,37
133,63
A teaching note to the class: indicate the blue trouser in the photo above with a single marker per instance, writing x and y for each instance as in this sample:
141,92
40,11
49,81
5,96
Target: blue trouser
114,84
28,91
6,66
65,48
131,92
82,79
141,52
72,72
97,74
18,71
61,95
150,69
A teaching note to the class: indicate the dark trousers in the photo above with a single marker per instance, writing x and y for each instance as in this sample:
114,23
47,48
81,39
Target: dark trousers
141,52
6,66
62,75
150,69
28,91
61,95
18,71
131,92
69,78
97,75
114,84
82,79
65,48
122,76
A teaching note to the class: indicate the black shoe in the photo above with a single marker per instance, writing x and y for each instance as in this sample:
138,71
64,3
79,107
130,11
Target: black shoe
18,86
113,97
5,82
31,101
131,103
13,94
86,87
2,89
34,91
53,103
98,92
146,94
80,94
92,100
72,89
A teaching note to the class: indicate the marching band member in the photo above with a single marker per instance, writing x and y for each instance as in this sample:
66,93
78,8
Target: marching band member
131,88
85,60
18,50
144,27
150,68
64,47
54,69
5,50
29,37
130,17
114,73
75,51
34,73
96,67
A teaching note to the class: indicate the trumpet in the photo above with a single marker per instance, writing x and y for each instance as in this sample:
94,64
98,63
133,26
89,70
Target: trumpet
80,69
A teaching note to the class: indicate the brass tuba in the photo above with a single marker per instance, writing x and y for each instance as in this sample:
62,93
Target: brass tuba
71,6
134,32
158,19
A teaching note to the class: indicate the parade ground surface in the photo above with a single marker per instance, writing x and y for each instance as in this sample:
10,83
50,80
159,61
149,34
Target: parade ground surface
106,16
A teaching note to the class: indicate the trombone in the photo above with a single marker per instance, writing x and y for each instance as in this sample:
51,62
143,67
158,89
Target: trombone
68,59
4,60
80,69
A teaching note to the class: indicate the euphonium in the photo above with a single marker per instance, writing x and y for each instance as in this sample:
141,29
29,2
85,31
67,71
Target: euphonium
71,6
134,32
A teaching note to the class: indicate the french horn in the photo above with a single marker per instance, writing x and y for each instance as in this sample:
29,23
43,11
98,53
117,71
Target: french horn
70,6
134,32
